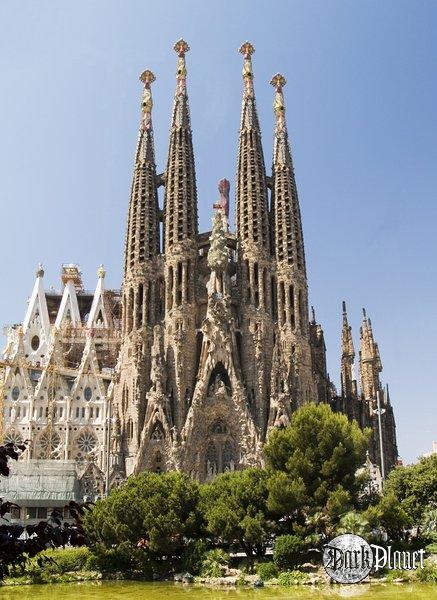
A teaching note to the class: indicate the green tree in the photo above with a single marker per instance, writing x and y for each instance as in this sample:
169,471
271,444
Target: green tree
159,513
390,516
415,486
314,462
289,552
235,509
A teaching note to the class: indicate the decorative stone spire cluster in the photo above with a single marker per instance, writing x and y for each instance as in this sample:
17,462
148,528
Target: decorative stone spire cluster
180,200
217,345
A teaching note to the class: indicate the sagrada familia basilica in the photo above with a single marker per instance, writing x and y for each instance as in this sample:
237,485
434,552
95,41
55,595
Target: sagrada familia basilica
208,345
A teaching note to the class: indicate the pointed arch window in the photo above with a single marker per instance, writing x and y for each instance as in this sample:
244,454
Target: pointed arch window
228,456
157,433
220,454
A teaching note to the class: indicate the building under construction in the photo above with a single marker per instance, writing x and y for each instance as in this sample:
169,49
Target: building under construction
214,344
57,372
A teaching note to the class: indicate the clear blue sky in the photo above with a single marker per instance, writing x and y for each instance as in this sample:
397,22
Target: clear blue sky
362,114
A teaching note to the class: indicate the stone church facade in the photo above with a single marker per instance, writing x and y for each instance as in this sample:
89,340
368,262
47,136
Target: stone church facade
217,344
208,345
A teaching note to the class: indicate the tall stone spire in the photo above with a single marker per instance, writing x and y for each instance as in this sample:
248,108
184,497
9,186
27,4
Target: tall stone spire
292,289
252,222
288,234
348,382
370,369
180,249
142,238
180,200
141,283
253,245
370,361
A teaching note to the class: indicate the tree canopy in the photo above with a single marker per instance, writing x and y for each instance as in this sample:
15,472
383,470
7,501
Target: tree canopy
159,513
415,486
235,509
313,464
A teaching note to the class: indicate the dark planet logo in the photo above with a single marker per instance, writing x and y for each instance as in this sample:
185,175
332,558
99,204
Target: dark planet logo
347,558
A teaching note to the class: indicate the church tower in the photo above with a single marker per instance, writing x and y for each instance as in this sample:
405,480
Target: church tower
351,405
370,369
180,250
257,282
293,340
141,285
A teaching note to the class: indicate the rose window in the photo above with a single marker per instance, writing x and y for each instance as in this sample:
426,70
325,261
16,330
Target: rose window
49,446
13,437
86,442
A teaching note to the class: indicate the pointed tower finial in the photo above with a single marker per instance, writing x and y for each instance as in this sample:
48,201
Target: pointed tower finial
364,315
147,77
345,320
387,395
247,50
40,271
278,81
181,48
101,272
313,315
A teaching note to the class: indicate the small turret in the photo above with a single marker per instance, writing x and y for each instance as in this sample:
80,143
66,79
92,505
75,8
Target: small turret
370,362
348,381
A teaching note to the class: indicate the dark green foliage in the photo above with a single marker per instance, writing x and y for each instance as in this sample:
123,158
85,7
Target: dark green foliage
235,509
215,563
415,486
124,558
193,556
390,516
267,571
56,562
289,551
314,462
157,513
320,451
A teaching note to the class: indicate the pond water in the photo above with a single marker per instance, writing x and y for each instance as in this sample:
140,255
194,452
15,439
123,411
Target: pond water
122,590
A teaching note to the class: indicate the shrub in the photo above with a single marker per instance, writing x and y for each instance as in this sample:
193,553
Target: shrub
56,562
288,551
194,555
398,574
124,558
428,574
267,571
432,548
248,565
292,578
214,563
